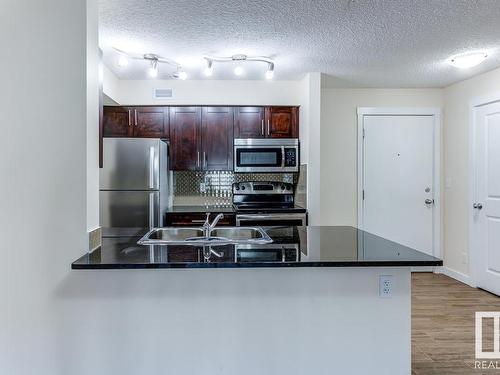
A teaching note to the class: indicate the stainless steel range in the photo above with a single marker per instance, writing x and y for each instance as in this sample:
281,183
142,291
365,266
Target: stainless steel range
267,204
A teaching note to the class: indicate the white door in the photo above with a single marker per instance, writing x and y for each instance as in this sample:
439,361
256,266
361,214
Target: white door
486,212
398,179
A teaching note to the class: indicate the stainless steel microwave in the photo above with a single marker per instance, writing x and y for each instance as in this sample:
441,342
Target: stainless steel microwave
266,155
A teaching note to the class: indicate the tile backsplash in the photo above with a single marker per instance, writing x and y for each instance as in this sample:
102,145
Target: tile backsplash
213,188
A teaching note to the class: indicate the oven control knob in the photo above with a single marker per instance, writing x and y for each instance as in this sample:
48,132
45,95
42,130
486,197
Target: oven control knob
243,187
237,187
288,187
282,187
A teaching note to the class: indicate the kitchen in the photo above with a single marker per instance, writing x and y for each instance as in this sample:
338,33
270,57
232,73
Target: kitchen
144,117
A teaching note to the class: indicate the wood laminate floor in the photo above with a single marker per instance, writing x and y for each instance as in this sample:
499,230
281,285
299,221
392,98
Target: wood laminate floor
443,325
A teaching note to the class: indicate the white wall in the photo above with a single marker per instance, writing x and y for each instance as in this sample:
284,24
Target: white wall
456,165
339,142
43,182
314,178
93,77
110,84
203,92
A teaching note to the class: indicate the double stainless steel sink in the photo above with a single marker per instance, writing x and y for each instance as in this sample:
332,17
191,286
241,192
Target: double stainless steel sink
197,236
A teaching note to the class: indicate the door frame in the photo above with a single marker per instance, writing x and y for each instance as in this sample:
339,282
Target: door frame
434,112
474,104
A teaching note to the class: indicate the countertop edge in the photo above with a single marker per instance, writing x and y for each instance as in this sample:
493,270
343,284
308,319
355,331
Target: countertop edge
347,264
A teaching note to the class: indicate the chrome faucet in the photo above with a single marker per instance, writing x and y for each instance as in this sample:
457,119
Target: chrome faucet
207,227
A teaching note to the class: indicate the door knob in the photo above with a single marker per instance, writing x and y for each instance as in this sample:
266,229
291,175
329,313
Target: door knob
429,201
477,206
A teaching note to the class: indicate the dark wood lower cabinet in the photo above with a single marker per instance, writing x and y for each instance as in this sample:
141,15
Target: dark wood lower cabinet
212,254
217,138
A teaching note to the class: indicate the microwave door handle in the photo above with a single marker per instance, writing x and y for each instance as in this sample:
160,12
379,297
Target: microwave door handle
282,156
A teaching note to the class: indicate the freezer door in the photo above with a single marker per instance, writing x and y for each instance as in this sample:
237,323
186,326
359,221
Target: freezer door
128,213
130,164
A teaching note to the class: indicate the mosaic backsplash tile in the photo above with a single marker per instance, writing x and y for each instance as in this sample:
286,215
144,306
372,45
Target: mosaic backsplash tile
214,187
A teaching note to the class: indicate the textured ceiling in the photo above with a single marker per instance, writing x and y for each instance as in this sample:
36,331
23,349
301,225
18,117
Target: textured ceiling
360,43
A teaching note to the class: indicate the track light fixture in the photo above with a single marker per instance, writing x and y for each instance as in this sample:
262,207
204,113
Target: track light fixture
241,59
154,61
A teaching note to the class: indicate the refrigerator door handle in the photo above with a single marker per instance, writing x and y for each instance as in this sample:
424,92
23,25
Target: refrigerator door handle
151,167
151,210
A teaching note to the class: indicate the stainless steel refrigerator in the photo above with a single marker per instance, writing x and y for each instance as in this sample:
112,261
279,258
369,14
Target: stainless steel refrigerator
134,186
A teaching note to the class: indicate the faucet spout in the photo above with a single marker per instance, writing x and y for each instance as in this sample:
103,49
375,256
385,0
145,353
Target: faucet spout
216,220
207,227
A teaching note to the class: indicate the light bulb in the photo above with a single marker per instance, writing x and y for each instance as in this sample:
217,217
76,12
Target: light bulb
468,60
153,72
122,61
182,75
238,70
269,74
209,71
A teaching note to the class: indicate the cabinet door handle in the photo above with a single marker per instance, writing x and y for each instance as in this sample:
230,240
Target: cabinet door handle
268,126
204,159
135,115
129,117
262,130
198,160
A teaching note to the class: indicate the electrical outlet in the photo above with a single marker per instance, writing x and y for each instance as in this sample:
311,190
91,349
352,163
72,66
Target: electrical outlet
385,286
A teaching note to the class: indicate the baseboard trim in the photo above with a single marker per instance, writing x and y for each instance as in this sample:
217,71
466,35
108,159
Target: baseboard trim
457,275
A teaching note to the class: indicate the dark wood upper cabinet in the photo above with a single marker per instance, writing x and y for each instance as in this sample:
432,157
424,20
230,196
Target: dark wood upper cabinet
117,122
201,138
282,122
185,126
249,122
151,122
217,138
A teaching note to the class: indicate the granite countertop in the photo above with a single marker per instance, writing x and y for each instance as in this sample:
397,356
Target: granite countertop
326,246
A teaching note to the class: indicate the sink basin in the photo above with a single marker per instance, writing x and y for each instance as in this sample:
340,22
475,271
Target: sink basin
240,233
195,236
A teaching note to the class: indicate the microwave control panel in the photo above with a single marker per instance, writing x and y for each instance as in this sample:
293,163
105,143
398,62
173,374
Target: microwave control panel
290,157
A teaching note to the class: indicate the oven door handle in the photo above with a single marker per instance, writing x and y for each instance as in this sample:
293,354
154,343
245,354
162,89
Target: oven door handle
254,217
272,217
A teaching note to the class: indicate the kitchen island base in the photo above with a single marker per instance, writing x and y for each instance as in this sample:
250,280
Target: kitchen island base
245,321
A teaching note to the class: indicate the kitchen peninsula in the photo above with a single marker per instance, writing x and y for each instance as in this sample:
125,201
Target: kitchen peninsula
316,296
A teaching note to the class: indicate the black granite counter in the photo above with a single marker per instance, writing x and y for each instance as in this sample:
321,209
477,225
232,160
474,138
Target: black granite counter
291,247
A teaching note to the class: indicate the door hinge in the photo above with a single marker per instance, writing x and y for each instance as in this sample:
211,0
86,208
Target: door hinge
364,132
363,194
